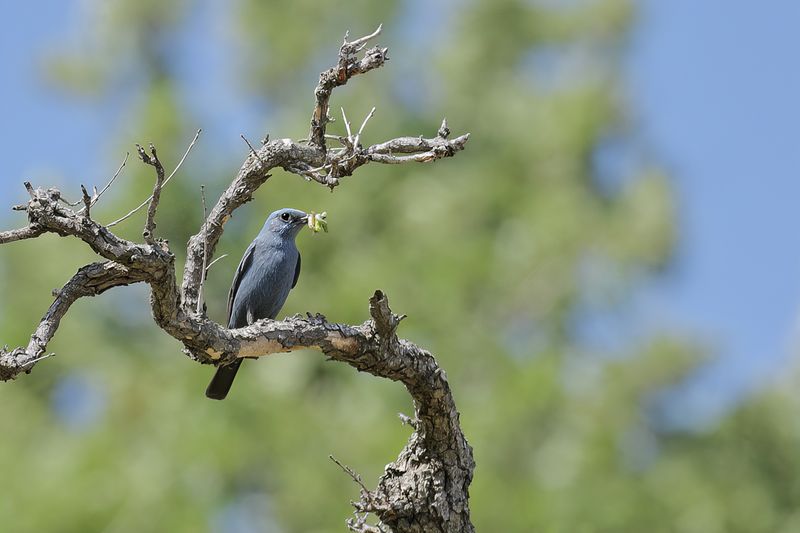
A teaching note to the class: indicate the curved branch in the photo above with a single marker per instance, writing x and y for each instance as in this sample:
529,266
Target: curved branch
90,280
437,450
338,75
47,215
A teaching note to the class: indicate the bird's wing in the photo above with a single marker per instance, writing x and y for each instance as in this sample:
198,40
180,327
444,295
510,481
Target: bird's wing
244,265
296,271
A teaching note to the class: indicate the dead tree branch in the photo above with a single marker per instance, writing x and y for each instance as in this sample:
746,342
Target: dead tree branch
152,160
96,196
28,232
426,488
336,76
90,280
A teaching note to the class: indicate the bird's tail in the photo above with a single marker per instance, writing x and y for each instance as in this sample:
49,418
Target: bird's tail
222,381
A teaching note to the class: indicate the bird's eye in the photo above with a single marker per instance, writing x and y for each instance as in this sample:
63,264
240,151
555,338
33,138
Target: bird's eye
285,217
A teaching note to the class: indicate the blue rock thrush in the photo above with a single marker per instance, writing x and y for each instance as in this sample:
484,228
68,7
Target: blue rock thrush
268,271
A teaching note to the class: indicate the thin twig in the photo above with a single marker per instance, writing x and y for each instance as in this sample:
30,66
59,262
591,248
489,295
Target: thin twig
327,166
349,471
32,361
252,150
133,211
346,142
223,256
205,250
97,195
71,204
363,124
346,124
359,44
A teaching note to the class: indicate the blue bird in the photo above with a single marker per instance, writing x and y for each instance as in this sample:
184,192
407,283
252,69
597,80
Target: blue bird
267,272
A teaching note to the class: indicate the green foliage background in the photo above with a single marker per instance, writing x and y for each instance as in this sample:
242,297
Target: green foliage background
495,255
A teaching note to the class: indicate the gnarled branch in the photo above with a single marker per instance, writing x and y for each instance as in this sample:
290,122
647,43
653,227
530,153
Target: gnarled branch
90,280
426,488
28,232
155,198
336,76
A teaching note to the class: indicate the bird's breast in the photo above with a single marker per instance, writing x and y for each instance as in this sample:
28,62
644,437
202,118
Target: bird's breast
266,285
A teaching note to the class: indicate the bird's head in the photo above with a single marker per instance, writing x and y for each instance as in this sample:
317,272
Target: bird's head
286,222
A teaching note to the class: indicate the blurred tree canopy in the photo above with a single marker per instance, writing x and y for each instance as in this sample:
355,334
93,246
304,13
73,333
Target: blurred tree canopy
498,256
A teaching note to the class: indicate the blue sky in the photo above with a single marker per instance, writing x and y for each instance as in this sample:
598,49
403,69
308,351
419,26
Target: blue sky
714,87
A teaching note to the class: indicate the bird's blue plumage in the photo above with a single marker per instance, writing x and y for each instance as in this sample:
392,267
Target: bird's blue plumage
267,272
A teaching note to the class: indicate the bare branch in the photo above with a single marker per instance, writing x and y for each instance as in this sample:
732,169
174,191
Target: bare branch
437,461
421,150
28,232
177,167
347,67
408,145
150,222
90,280
353,475
253,150
437,447
346,124
200,296
363,125
424,157
31,362
344,163
47,215
359,44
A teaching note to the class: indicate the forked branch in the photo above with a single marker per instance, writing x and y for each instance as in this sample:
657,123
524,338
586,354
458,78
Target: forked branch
349,65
